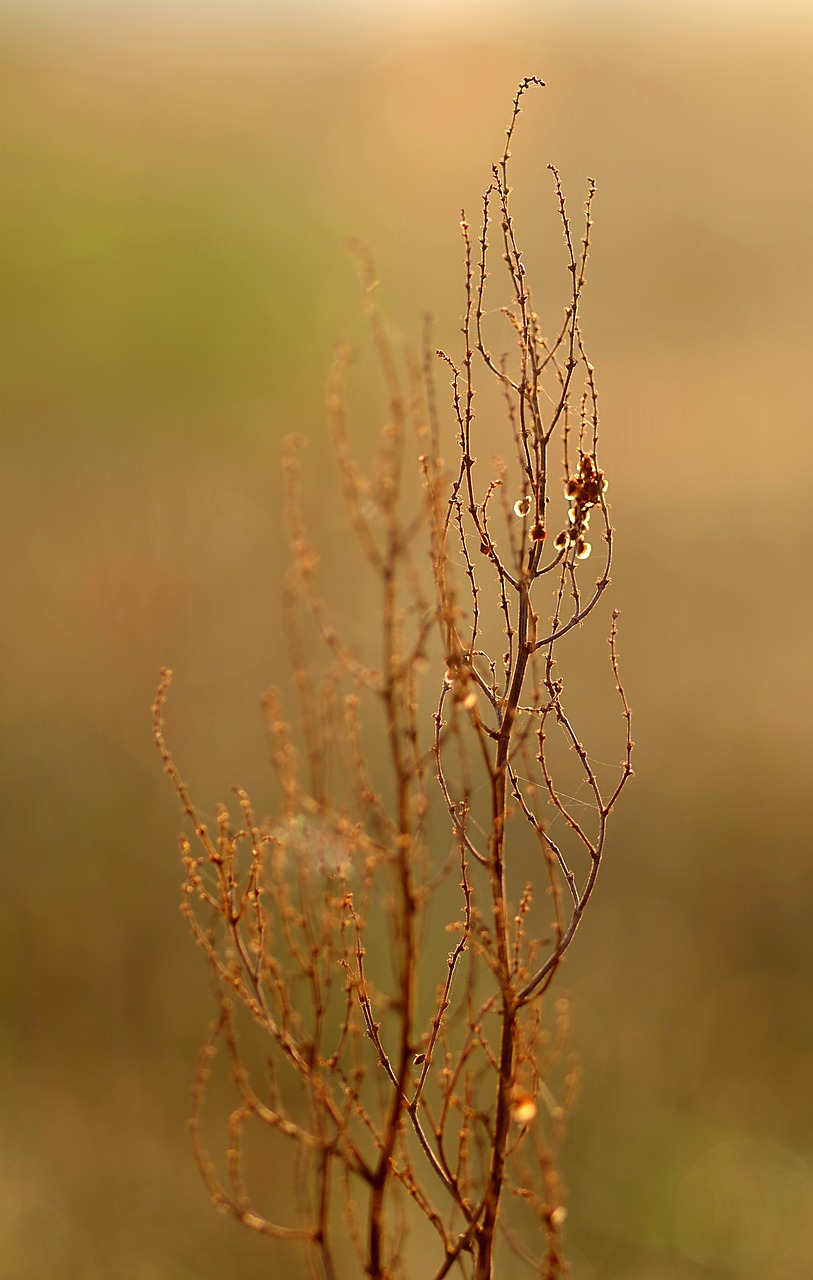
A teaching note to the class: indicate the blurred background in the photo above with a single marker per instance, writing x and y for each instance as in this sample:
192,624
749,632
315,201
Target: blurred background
179,183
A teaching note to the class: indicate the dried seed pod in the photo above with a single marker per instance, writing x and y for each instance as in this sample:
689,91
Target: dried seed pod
522,506
537,533
583,549
523,1106
562,540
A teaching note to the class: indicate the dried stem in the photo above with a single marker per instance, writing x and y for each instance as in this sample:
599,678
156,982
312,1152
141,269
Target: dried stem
316,924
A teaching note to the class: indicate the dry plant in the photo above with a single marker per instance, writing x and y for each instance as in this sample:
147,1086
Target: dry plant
401,1084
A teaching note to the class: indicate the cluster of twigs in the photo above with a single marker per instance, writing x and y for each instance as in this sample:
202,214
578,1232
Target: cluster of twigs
393,1106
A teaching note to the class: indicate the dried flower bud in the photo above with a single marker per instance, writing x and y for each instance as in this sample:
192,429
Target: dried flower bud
562,540
522,506
523,1107
571,487
538,533
583,549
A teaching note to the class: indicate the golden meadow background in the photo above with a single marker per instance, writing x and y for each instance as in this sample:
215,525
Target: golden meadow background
176,197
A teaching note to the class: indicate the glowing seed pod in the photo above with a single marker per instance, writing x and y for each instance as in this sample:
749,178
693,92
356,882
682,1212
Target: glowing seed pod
522,506
571,487
523,1107
562,540
583,549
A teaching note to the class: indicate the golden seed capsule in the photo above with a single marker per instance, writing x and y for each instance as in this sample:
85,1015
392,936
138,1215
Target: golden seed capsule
524,1107
583,549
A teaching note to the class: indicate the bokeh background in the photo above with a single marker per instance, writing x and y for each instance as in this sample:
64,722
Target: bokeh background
178,186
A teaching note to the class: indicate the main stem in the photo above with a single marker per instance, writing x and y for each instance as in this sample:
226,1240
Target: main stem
486,1235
